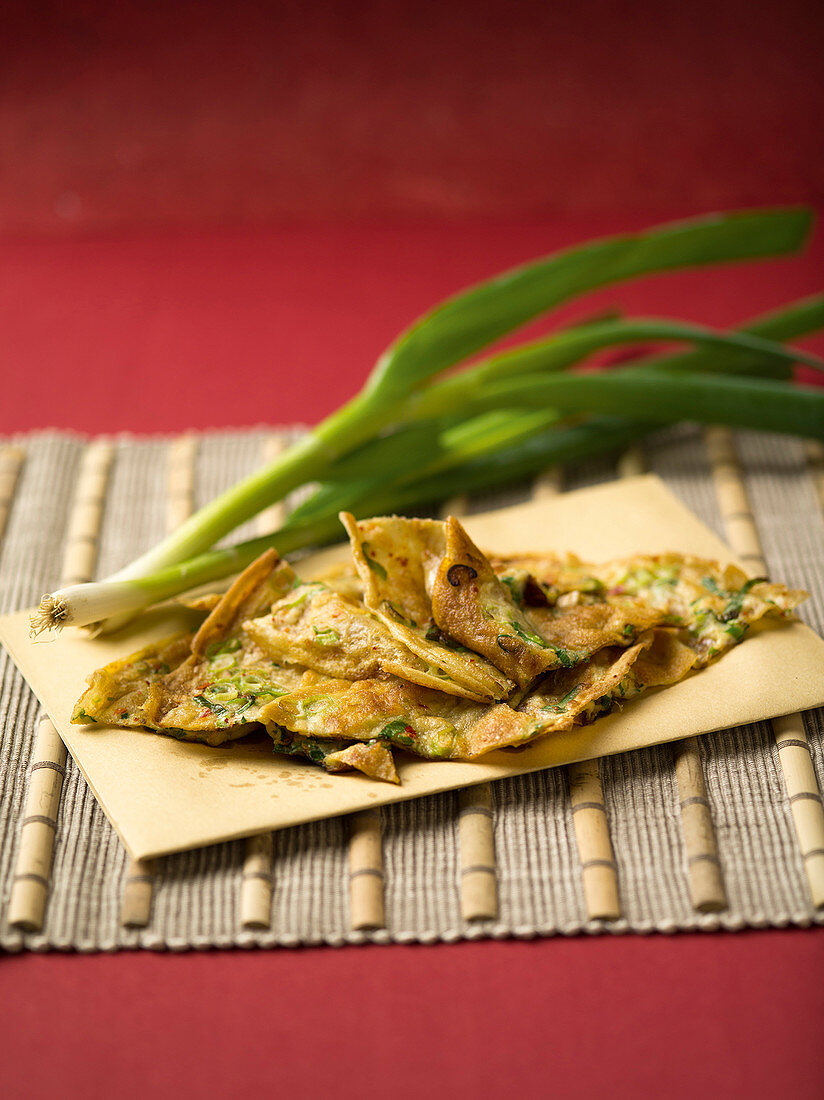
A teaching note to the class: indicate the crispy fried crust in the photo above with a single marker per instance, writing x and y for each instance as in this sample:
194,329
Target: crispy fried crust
418,662
581,629
373,759
314,627
241,600
127,692
471,605
396,559
208,687
712,604
564,698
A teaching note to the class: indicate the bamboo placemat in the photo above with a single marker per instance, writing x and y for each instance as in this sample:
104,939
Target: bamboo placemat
414,850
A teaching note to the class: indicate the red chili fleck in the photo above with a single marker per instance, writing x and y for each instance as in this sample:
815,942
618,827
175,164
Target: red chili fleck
410,731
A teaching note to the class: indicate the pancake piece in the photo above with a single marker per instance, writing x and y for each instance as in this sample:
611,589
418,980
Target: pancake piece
579,695
227,679
373,759
209,686
441,727
397,560
471,605
127,692
315,627
391,710
565,698
713,605
228,686
612,676
537,580
577,629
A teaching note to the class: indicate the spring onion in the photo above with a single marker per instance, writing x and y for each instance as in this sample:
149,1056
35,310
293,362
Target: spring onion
406,440
465,324
658,396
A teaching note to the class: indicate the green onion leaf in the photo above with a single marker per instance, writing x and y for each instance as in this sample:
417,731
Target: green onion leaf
464,324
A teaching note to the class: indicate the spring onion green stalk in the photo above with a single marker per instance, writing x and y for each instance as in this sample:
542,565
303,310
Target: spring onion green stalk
475,432
788,323
473,320
417,450
463,325
657,396
509,465
420,450
573,345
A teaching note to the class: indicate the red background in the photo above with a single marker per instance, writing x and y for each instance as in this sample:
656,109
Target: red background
717,1016
281,324
196,112
218,214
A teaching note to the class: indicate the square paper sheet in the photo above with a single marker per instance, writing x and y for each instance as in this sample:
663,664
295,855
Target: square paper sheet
163,795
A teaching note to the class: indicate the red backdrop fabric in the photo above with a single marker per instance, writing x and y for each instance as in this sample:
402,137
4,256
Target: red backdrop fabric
280,325
719,1016
195,112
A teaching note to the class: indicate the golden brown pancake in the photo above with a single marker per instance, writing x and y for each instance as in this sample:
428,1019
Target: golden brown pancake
449,654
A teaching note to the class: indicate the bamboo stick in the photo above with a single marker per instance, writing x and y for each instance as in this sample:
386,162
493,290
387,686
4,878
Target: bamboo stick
87,511
815,461
547,484
706,885
11,459
30,886
805,799
599,872
138,891
631,462
739,522
180,482
366,878
793,747
256,883
479,885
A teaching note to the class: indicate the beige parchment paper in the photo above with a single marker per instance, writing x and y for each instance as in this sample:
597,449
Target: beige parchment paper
163,795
